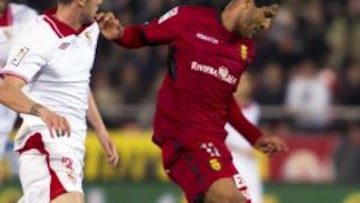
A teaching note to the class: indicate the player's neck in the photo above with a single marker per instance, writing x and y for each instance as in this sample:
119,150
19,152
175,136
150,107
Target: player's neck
68,16
228,20
243,100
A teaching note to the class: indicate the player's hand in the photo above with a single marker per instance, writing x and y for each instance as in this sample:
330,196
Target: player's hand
270,145
110,149
58,125
110,26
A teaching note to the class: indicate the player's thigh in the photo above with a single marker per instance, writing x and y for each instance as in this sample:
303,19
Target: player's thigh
199,165
34,177
73,197
224,190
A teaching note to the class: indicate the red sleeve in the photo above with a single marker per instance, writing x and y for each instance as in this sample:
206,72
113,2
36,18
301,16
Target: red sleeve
163,30
241,124
132,37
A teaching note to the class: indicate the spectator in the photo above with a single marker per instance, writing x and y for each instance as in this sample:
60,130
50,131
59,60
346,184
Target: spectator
350,86
270,90
308,98
347,157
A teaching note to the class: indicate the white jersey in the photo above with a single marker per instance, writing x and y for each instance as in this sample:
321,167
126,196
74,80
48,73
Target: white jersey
243,156
55,61
14,19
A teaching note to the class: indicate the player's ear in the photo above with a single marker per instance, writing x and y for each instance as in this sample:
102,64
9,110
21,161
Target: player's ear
82,2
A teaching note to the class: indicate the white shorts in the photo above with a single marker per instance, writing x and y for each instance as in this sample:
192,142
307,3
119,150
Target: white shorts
248,168
48,169
7,121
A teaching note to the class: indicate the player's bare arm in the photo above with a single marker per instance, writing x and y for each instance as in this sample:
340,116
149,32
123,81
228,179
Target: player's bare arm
11,95
110,26
102,134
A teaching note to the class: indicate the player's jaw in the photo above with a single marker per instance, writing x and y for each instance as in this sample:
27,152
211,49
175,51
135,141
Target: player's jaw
91,8
253,29
255,20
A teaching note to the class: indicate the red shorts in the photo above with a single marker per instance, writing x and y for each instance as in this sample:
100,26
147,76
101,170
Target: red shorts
196,165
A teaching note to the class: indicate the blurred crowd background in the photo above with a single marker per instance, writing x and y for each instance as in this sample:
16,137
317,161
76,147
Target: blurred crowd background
307,77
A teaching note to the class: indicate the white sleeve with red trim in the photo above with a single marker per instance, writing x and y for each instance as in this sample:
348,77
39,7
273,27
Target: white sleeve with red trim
29,54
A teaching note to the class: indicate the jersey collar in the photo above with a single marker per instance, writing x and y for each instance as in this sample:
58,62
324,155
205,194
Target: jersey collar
6,19
60,28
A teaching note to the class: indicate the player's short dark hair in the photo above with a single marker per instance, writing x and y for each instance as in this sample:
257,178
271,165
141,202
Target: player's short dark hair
262,3
64,1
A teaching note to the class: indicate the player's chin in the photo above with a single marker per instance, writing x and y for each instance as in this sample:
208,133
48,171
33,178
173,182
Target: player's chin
91,17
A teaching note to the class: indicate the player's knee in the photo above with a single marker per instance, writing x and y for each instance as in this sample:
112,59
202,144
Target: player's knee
238,198
73,197
225,196
224,191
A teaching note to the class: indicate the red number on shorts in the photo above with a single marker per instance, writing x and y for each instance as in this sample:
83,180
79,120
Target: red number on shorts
67,162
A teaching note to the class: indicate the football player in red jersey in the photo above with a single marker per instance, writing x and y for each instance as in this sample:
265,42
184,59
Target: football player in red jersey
208,51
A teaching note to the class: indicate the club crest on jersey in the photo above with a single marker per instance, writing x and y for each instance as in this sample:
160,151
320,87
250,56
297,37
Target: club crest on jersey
64,45
244,52
20,56
173,12
215,164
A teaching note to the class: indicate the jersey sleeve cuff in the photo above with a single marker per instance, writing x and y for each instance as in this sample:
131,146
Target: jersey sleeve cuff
15,74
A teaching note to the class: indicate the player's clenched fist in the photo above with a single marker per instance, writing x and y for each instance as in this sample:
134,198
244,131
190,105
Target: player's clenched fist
270,145
110,26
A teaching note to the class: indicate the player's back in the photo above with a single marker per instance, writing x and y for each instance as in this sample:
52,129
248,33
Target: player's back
55,61
206,62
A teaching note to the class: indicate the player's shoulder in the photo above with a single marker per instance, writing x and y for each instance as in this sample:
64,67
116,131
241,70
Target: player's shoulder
37,31
22,12
195,10
41,27
94,28
186,12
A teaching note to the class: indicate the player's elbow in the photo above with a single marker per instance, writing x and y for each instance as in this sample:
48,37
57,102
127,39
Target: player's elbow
3,91
7,90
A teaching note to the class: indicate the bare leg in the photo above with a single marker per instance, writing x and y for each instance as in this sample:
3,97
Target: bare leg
73,197
224,191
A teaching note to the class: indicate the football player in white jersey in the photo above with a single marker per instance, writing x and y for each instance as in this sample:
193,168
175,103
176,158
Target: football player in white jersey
12,19
242,152
53,58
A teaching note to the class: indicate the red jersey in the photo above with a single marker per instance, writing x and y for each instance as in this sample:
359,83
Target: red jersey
205,64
